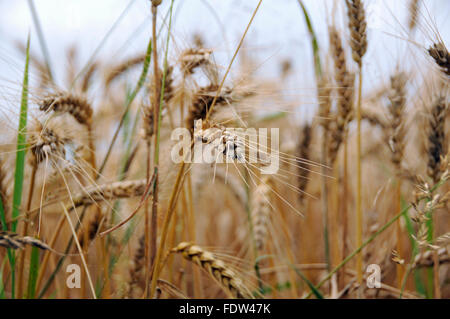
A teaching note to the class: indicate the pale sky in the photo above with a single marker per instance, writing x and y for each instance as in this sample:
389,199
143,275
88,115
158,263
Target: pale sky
278,31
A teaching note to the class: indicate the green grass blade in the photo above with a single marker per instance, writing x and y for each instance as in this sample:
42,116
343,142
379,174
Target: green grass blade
314,290
128,102
314,41
21,144
2,284
420,287
20,161
33,274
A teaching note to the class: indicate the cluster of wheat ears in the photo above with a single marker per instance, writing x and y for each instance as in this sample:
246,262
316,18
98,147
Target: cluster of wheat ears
90,182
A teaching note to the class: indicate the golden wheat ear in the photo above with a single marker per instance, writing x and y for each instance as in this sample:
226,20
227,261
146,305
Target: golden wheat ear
64,102
116,71
413,14
3,189
437,147
396,131
344,80
216,268
357,25
202,102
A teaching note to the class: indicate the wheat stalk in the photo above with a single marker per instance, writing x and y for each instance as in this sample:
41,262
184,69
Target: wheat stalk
304,149
344,80
436,150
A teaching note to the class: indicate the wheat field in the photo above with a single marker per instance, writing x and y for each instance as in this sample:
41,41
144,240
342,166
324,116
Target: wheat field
336,185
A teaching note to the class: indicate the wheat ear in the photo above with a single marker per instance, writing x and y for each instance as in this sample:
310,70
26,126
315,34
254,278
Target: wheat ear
63,102
397,98
96,194
344,80
202,102
3,191
304,152
426,258
123,67
413,14
260,212
437,147
217,269
136,269
438,51
14,241
357,25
